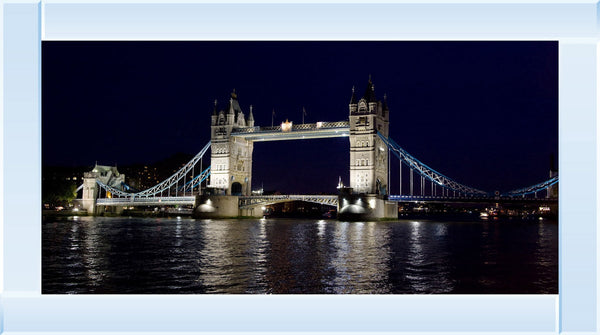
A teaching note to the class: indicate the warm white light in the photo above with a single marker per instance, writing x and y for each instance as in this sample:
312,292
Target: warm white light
286,126
372,203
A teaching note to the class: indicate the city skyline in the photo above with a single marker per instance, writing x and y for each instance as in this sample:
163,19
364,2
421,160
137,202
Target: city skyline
482,113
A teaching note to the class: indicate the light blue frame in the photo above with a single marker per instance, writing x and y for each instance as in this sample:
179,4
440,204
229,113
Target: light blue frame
25,311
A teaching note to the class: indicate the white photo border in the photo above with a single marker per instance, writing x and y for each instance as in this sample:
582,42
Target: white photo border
24,310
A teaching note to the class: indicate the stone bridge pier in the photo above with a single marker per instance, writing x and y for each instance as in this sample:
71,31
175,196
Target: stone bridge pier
216,206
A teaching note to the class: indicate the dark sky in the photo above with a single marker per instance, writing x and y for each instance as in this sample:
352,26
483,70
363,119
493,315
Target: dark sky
482,113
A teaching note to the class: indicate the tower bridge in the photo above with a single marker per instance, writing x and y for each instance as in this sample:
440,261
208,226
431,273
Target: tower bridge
229,176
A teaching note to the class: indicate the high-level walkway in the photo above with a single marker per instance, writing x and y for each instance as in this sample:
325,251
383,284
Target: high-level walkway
295,132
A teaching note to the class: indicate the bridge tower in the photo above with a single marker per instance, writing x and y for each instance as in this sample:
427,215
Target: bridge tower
108,175
231,157
368,153
552,191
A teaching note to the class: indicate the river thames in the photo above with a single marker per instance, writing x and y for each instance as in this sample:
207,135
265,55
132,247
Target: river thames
182,255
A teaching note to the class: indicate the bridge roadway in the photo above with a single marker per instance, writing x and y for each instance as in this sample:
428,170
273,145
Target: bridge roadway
330,200
147,201
248,201
463,199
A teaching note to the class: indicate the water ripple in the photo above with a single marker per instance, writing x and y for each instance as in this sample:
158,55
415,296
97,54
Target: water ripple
138,255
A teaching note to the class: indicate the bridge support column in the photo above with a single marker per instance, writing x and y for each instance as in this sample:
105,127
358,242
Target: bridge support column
216,206
355,207
252,211
90,193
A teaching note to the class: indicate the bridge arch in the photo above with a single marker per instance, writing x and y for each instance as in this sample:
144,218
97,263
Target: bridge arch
236,188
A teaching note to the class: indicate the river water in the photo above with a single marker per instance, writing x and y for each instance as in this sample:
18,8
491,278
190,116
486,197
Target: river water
181,255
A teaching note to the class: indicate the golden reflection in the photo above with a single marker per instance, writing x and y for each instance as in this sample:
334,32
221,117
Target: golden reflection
427,268
354,243
321,229
92,256
234,252
216,257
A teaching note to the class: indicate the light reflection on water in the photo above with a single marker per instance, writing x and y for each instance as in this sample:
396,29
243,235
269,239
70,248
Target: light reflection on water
140,255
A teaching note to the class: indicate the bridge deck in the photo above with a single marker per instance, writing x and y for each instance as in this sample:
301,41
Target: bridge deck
296,132
330,200
460,199
147,201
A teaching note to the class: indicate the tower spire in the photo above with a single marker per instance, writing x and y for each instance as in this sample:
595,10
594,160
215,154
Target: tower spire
250,122
369,95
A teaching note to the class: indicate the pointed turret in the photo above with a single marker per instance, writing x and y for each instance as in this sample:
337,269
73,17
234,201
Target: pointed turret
385,108
353,98
353,106
251,118
214,115
230,110
369,95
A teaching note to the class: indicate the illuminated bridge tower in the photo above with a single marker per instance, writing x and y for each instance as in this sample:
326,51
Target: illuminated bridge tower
368,153
231,157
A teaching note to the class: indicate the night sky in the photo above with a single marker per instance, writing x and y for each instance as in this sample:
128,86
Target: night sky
482,113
